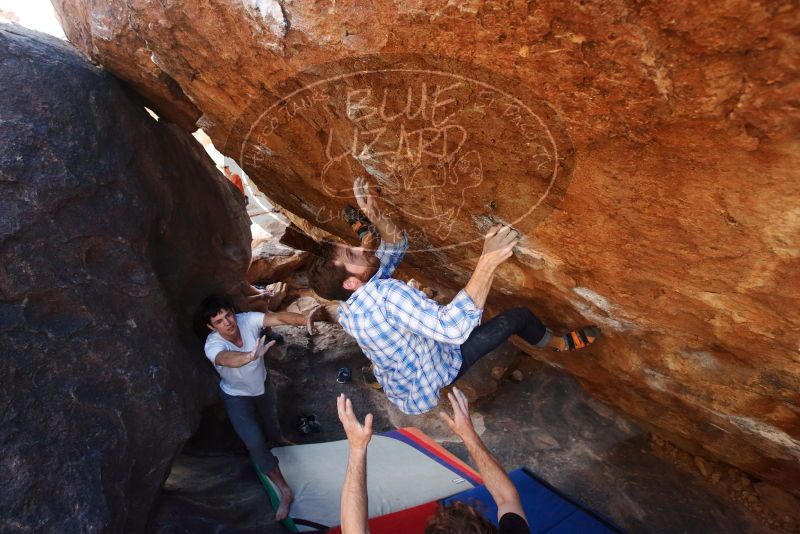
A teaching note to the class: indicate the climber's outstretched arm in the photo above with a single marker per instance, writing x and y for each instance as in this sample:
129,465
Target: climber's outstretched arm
498,247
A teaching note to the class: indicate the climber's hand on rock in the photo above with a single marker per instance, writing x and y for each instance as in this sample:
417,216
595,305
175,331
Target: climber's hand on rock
461,422
367,198
499,244
357,434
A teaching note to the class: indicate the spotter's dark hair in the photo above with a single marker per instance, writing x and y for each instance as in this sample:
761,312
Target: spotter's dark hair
210,307
458,517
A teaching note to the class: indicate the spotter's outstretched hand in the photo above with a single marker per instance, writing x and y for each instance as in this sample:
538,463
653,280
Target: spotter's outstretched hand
357,434
261,348
461,422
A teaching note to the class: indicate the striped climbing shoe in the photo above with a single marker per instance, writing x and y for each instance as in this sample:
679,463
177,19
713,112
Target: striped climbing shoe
580,338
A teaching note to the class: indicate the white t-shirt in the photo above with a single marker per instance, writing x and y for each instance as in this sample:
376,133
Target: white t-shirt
247,380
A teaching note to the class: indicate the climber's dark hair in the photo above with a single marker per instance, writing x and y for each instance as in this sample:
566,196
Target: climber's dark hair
324,276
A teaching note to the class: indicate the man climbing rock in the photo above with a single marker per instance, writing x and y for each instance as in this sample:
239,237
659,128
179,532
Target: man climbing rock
237,351
416,345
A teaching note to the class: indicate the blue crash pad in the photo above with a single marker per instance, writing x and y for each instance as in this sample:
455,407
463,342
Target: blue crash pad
546,509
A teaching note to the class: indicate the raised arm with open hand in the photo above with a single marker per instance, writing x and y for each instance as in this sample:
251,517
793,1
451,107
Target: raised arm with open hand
354,492
262,347
494,476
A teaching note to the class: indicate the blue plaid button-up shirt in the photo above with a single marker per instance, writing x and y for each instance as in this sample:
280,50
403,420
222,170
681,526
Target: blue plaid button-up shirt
412,341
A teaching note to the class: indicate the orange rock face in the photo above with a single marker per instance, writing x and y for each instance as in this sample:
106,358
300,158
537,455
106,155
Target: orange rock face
648,153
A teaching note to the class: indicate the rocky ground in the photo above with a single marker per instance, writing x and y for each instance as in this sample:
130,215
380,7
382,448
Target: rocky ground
545,421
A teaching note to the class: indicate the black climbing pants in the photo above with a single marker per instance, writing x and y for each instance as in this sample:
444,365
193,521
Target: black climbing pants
244,412
491,334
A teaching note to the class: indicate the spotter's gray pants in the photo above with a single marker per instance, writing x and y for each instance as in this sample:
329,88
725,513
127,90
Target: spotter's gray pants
244,412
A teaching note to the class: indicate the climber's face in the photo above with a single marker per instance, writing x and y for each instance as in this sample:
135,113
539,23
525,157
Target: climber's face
224,322
359,263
